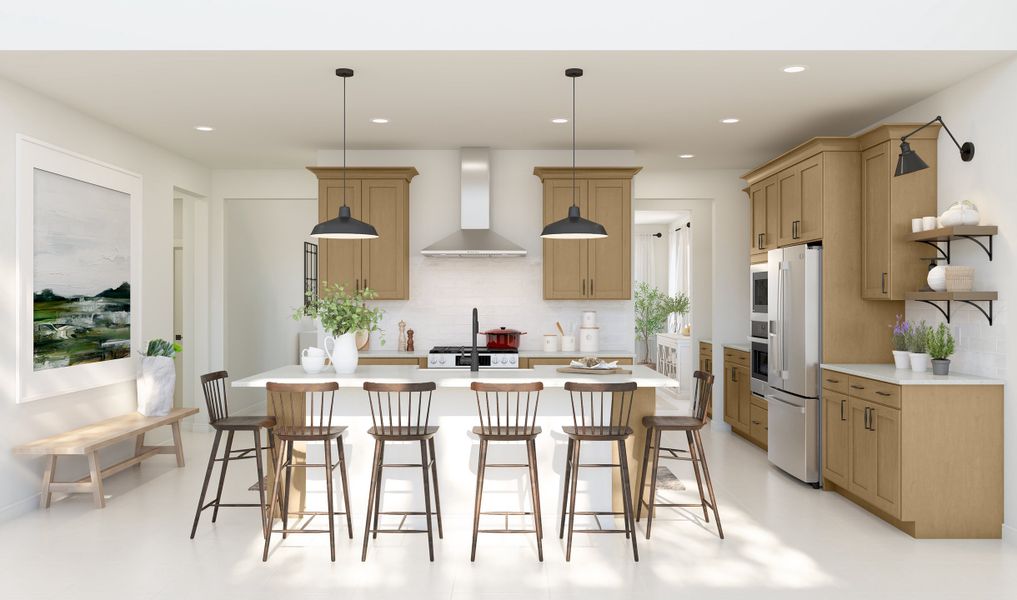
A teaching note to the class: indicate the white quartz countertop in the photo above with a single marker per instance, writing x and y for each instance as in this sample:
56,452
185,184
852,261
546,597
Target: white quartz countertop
889,374
393,353
742,346
453,378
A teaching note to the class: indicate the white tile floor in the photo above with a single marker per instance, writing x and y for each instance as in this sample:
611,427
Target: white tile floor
784,540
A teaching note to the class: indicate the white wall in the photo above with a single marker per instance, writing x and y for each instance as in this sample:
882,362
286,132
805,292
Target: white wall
981,109
25,112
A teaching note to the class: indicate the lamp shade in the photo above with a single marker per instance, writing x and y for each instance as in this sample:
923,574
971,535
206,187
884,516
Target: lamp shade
908,161
344,227
574,227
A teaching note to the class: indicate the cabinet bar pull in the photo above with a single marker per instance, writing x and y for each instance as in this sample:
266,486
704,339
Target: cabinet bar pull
882,393
584,287
591,286
883,284
358,285
872,422
365,283
734,375
842,410
833,380
866,419
857,387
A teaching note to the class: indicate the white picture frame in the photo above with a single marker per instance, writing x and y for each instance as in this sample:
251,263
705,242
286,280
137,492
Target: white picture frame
30,384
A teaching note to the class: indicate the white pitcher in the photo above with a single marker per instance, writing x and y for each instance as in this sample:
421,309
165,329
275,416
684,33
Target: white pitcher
342,352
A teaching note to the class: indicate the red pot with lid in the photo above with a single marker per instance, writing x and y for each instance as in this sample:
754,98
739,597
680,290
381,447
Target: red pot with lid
503,338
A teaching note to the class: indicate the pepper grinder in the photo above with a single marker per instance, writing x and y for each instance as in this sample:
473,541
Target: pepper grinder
402,336
409,340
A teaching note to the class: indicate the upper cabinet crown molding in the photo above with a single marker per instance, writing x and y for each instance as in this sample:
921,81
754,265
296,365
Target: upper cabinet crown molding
895,131
407,173
586,172
800,153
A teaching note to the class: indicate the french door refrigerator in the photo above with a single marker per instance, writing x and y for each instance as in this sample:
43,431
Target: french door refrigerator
795,343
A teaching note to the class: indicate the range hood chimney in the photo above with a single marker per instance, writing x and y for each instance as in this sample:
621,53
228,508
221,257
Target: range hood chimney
474,238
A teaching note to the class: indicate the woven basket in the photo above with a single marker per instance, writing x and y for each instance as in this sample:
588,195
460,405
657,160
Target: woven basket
960,279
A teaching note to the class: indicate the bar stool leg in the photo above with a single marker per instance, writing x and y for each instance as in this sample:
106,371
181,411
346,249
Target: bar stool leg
642,475
370,496
222,474
481,468
709,482
434,478
286,490
208,476
695,469
651,508
261,474
330,500
276,483
531,462
565,488
427,497
572,498
377,485
630,523
346,486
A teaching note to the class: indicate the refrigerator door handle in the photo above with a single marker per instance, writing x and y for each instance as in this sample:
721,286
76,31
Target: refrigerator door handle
782,279
771,398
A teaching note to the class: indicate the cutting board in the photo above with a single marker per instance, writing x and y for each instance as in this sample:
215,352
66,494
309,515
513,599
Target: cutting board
615,371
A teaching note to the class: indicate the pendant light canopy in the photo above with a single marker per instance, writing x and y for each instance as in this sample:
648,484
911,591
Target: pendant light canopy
344,227
574,227
909,161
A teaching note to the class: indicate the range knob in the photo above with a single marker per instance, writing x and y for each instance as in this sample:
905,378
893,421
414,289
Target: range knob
441,360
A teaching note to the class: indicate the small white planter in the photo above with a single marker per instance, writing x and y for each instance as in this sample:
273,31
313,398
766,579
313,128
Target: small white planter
920,362
901,359
157,378
343,353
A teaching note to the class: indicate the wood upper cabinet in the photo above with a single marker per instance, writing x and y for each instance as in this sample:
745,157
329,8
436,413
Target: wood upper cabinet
765,217
379,196
891,266
800,202
598,269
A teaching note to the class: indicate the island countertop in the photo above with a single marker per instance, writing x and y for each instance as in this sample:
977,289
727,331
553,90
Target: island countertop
453,378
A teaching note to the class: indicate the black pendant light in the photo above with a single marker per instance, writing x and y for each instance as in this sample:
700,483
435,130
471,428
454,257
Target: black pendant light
344,227
909,161
574,227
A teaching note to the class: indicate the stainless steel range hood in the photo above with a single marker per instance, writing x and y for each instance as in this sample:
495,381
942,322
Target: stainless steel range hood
474,238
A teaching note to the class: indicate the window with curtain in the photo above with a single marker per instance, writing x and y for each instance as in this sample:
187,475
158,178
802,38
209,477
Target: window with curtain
679,267
646,265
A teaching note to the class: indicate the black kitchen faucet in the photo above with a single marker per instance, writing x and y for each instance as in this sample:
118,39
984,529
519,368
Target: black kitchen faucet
474,355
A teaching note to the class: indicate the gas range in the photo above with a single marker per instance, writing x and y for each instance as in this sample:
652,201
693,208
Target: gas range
458,357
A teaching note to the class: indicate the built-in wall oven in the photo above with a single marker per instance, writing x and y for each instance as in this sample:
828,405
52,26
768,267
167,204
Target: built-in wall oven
759,357
760,294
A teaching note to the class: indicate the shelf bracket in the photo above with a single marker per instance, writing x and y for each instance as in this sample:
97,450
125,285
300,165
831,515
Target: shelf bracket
943,254
986,312
935,304
973,238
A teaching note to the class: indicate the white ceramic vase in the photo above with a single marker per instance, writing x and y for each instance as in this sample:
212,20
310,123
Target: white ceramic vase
157,378
342,351
919,361
937,278
901,360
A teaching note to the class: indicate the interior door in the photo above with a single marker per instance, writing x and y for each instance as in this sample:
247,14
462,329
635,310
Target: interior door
178,322
340,262
876,165
383,260
566,262
836,437
610,258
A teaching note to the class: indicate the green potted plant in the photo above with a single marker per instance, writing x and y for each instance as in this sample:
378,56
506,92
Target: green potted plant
918,349
342,315
899,342
941,346
678,304
653,307
157,378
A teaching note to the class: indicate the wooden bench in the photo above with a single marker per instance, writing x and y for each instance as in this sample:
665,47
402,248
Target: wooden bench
88,440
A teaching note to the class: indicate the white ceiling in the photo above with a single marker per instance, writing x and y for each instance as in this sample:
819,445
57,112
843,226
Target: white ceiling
275,109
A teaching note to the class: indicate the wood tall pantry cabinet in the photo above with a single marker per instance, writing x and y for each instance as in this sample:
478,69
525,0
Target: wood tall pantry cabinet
598,269
381,197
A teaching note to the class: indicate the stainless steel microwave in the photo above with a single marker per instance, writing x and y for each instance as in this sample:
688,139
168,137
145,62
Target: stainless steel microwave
760,291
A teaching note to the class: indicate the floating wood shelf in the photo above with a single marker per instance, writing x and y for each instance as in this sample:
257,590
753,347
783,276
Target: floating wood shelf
939,300
945,235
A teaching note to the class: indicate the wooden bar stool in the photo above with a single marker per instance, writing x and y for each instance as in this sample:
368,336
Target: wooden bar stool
400,413
508,413
696,454
214,387
294,404
600,413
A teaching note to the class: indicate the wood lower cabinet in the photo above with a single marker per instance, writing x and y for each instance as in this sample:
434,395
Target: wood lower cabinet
408,361
565,360
926,458
599,269
379,196
759,423
737,391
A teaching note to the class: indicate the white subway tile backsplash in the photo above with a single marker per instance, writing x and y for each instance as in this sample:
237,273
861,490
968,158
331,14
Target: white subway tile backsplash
981,348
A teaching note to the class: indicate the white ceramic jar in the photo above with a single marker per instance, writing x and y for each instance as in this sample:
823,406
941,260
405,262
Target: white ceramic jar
589,339
589,319
550,342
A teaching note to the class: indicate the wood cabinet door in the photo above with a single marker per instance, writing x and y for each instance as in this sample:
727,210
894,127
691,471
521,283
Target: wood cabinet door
789,206
836,438
339,261
610,258
876,239
566,262
863,451
884,425
744,398
758,423
730,394
810,197
757,201
385,260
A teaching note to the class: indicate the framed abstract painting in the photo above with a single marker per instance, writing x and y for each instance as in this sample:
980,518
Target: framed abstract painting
78,271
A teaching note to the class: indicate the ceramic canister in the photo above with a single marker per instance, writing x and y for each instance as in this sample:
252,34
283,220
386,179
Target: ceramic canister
550,342
589,318
589,339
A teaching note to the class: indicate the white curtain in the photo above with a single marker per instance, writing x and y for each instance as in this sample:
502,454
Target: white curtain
679,267
646,265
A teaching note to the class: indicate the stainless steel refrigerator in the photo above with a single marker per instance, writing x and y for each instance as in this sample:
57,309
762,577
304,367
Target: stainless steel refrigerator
795,346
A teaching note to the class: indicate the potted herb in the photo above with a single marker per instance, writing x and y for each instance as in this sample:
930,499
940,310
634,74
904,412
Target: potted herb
918,340
342,315
941,346
653,307
157,378
899,341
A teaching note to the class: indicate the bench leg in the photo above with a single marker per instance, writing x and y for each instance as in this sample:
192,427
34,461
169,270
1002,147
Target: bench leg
178,444
95,474
47,478
139,444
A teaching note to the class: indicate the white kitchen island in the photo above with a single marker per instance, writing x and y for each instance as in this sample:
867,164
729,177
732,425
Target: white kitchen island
454,410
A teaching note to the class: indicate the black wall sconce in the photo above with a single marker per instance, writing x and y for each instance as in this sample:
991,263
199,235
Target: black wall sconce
909,161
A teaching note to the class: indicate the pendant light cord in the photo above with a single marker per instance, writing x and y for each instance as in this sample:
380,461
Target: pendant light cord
574,191
345,189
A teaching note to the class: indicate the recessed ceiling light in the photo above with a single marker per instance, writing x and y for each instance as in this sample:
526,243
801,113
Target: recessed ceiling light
729,120
379,120
686,156
794,68
559,121
204,128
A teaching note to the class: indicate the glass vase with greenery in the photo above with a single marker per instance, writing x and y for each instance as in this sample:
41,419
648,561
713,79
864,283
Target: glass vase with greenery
341,312
653,307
